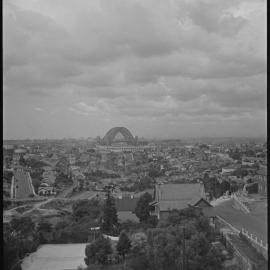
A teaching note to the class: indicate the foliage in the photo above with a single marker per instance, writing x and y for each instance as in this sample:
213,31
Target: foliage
110,220
145,183
253,188
214,188
154,171
249,181
44,226
151,222
36,183
166,247
7,175
35,164
98,251
138,243
138,258
123,245
72,232
22,226
235,154
138,262
61,225
19,238
129,226
178,217
201,255
142,209
90,208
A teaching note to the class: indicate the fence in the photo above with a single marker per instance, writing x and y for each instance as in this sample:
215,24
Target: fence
254,239
29,179
12,193
241,203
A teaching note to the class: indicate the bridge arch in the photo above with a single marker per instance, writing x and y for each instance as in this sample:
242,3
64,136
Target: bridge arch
110,135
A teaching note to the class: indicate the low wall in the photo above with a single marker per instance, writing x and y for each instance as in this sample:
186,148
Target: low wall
228,224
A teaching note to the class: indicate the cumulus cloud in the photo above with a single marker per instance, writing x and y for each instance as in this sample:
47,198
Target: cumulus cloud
166,61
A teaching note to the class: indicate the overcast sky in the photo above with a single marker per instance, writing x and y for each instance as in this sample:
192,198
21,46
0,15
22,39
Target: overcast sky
163,69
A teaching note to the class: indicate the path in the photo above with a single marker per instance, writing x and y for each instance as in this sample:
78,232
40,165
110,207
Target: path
65,192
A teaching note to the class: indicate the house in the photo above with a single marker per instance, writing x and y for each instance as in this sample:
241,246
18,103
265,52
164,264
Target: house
125,207
71,159
262,181
44,189
168,197
250,161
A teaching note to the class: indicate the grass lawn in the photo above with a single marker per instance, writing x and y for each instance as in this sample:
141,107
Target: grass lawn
56,257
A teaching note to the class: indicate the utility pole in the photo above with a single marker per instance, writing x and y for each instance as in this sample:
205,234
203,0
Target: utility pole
183,253
184,250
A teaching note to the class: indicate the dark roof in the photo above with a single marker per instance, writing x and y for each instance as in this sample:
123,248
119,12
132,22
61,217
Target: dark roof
179,191
204,200
126,204
178,196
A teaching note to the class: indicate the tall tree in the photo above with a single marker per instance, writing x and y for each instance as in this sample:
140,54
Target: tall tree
142,209
138,251
110,220
123,245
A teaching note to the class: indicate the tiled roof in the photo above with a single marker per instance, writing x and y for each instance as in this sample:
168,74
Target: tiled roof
170,192
178,196
126,204
127,215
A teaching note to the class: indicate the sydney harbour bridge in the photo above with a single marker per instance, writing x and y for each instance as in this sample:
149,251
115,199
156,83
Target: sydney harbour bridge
118,135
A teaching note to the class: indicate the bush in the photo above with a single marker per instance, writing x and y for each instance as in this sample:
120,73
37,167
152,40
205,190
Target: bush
90,208
98,251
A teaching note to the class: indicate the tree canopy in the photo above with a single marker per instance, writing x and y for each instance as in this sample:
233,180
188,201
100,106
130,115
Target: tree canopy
98,251
123,245
142,209
89,208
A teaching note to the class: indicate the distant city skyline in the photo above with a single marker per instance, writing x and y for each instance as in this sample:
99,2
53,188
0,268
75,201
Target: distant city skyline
163,69
262,137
